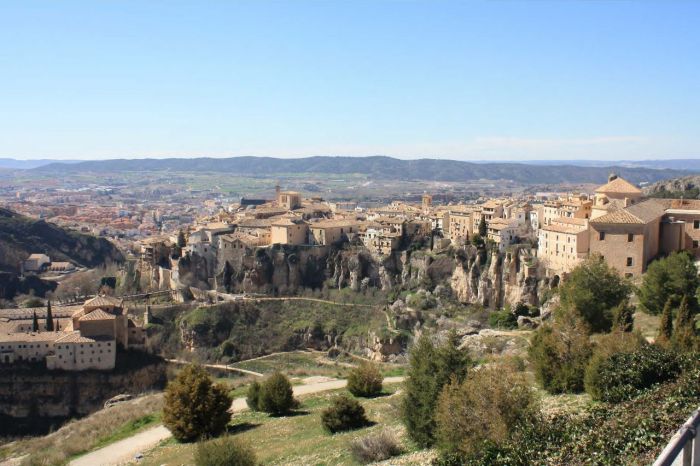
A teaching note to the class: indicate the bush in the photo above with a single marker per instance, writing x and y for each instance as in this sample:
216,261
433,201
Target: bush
194,407
503,319
430,369
276,395
623,375
375,447
559,354
484,409
253,396
607,346
669,278
592,291
365,380
224,451
345,413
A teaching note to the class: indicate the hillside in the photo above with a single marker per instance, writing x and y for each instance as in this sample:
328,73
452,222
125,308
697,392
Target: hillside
687,187
377,167
21,236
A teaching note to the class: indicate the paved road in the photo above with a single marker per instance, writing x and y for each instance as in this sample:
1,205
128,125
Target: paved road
125,450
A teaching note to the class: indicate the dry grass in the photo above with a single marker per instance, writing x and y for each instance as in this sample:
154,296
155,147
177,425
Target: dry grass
82,435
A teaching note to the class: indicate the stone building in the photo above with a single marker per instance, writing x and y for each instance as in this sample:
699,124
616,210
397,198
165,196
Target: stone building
563,244
289,230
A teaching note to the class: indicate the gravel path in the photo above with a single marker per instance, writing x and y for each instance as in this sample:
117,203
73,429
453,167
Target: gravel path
125,450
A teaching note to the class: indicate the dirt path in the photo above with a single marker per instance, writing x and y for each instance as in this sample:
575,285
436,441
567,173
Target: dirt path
124,451
222,367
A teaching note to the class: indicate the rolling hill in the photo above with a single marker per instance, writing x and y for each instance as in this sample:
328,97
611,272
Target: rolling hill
375,167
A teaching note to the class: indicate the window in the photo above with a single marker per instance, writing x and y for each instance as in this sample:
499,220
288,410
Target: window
601,236
630,237
629,262
695,244
696,224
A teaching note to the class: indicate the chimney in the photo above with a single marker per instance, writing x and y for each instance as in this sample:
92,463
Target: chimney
612,177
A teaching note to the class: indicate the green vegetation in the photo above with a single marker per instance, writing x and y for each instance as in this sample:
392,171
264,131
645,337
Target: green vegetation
431,367
503,319
670,278
623,375
344,413
483,410
274,396
365,380
593,290
224,451
375,447
559,354
194,407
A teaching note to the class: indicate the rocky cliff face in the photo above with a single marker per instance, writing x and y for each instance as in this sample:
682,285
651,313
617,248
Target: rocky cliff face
35,393
494,280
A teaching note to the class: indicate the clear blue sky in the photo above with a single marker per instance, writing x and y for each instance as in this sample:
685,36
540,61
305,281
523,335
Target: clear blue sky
470,80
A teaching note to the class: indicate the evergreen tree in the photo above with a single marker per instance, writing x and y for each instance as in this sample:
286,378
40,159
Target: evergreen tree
181,242
482,227
57,326
35,323
228,275
49,317
623,317
666,325
684,338
194,407
430,369
672,278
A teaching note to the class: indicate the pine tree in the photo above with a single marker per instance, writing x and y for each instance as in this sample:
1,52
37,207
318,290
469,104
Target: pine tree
228,275
623,317
684,338
57,326
666,326
482,227
49,317
35,323
181,243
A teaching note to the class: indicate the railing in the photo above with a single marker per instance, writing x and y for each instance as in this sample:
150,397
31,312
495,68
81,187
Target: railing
684,447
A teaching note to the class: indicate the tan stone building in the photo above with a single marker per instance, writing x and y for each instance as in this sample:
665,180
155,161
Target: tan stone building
288,230
327,232
563,244
615,195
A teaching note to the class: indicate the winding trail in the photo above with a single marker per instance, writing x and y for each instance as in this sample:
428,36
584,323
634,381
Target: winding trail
222,367
125,450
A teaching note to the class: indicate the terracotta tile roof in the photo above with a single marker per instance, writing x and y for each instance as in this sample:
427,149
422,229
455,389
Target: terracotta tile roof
97,314
619,186
29,337
76,337
641,213
103,301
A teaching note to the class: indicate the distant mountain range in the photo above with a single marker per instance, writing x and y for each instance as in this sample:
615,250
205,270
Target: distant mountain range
377,167
29,164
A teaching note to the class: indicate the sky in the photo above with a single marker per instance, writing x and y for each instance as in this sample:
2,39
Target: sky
466,80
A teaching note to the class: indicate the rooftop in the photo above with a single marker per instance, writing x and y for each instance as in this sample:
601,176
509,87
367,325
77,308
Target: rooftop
619,186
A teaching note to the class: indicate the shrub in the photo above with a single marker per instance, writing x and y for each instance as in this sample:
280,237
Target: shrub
622,375
253,396
559,354
607,346
345,413
365,380
503,319
375,447
484,409
684,334
224,451
592,291
194,407
430,369
276,395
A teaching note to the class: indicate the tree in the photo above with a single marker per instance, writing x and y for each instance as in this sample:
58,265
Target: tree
365,380
671,277
49,317
276,395
181,242
666,325
227,276
559,354
194,407
345,413
483,231
35,323
684,337
430,369
485,408
623,317
253,396
592,291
